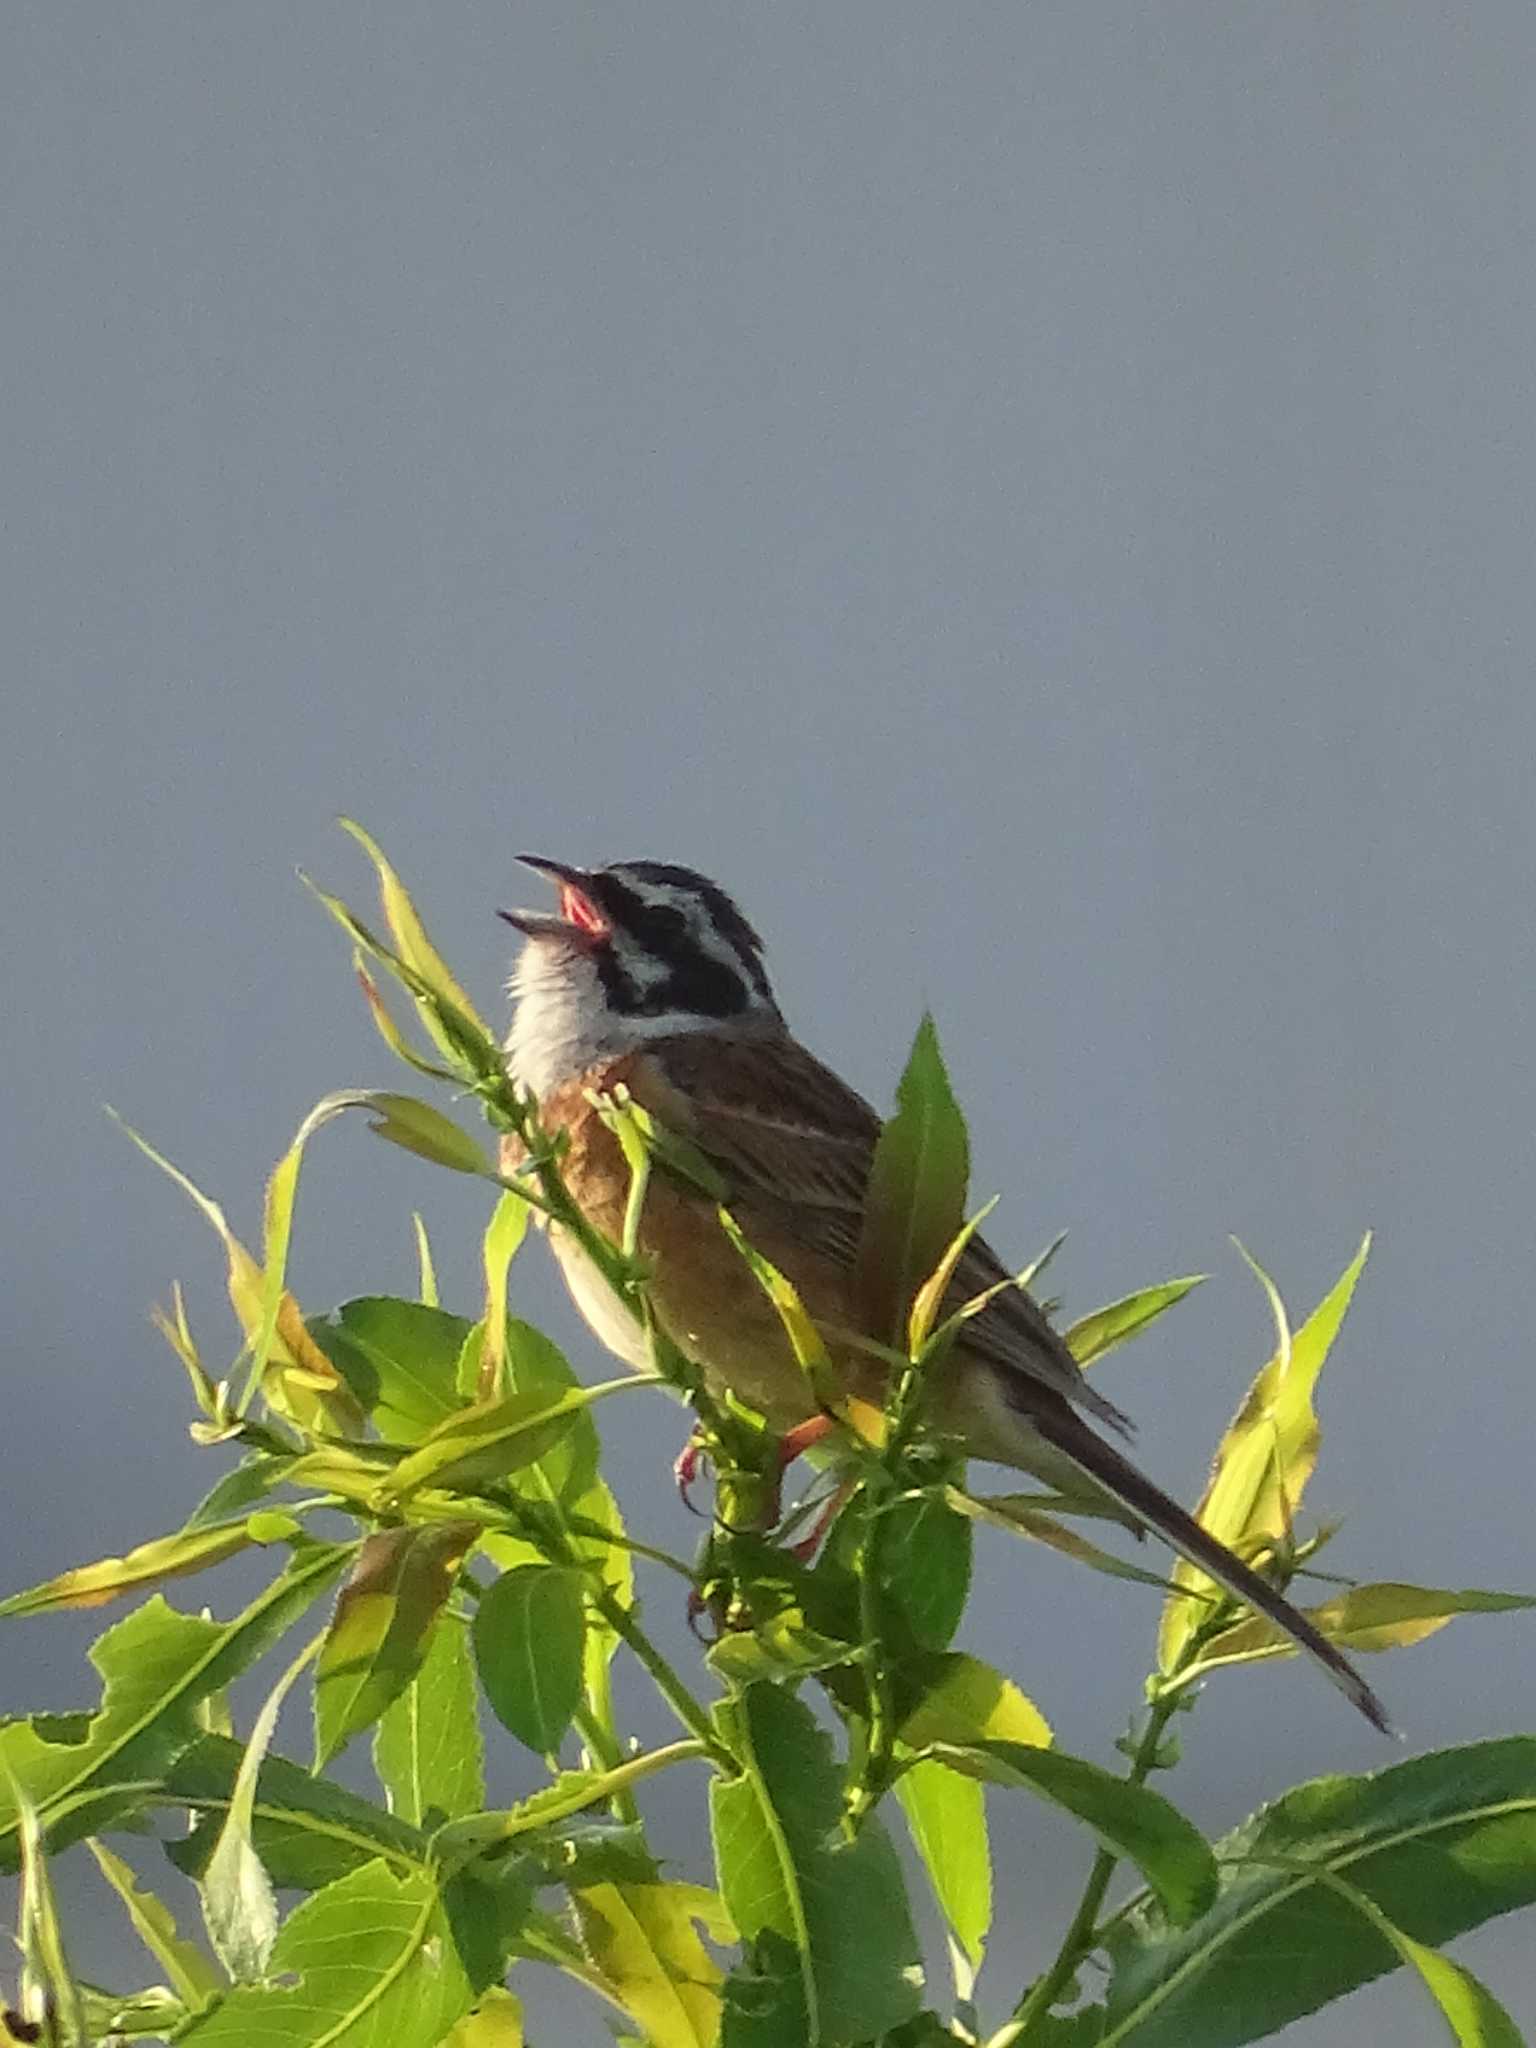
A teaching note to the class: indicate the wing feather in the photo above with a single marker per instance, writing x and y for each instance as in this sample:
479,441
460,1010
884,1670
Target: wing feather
793,1139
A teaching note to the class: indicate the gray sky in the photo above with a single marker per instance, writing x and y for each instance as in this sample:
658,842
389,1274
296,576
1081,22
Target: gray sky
1036,498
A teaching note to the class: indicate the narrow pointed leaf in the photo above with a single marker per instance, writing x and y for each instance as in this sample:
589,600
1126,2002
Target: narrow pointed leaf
503,1235
481,1445
190,1974
1374,1617
914,1203
297,1378
417,1127
49,1991
239,1907
805,1340
167,1557
1266,1457
1018,1513
1119,1321
929,1298
408,931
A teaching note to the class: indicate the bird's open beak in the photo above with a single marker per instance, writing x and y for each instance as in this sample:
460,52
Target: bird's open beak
578,919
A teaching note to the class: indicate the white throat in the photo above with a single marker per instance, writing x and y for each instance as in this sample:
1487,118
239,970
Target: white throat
562,1023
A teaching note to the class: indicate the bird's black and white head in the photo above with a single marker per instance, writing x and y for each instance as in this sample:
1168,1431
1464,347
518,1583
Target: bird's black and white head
635,951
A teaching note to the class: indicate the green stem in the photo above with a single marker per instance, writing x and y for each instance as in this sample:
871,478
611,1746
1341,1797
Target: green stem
621,1620
880,1741
1081,1937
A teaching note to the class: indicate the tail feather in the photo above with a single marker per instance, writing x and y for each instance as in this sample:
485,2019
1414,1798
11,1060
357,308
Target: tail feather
1121,1479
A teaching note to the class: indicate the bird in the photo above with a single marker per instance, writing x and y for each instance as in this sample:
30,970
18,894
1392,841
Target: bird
648,978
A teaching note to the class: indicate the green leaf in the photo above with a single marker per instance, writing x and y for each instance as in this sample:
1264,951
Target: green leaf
151,2015
958,1698
831,1952
297,1378
478,1446
528,1644
249,1481
1171,1854
1018,1513
1439,1844
307,1831
1473,2016
805,1340
1119,1321
399,1358
239,1909
49,1992
1266,1457
427,1286
376,1965
503,1235
929,1298
187,1970
378,1637
924,1562
536,1365
947,1818
417,1127
1382,1616
157,1666
642,1942
410,934
914,1204
167,1557
428,1751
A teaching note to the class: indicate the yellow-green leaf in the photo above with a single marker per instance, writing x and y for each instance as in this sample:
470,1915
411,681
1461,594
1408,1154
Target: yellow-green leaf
1267,1454
167,1557
496,2022
929,1298
410,934
483,1444
1116,1323
503,1235
642,1941
804,1338
188,1971
946,1814
960,1699
1381,1616
378,1636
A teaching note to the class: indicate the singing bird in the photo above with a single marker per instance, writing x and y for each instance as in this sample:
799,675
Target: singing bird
648,976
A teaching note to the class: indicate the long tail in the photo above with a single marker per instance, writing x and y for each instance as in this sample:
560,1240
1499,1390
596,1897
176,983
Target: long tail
1070,1435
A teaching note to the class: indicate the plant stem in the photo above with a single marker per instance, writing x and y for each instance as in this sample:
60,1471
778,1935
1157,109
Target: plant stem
621,1620
1080,1939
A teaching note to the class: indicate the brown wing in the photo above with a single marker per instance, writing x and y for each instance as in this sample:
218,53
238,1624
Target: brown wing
785,1130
